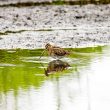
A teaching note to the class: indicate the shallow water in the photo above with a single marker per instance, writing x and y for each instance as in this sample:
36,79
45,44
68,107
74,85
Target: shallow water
85,84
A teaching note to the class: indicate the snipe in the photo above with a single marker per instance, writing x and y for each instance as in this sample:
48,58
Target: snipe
56,52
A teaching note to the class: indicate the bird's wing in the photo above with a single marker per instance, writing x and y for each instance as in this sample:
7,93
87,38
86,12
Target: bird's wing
56,47
59,51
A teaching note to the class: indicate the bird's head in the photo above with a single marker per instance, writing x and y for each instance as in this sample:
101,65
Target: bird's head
47,46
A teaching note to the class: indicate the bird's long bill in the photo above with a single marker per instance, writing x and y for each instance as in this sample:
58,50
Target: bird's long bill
41,54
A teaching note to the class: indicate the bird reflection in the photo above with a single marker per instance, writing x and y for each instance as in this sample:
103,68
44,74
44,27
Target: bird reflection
55,66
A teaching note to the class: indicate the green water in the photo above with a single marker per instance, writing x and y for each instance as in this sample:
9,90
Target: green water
23,81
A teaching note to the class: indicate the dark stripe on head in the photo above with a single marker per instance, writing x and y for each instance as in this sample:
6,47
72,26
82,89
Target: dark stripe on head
47,45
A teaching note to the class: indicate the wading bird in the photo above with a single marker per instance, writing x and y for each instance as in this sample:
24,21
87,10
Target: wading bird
56,52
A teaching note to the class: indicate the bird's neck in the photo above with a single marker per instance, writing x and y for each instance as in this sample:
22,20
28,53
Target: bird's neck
50,47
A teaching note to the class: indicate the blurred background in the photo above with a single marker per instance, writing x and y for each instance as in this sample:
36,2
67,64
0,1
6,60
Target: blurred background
80,26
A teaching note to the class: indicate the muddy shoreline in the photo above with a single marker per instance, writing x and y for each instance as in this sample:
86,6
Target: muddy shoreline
63,25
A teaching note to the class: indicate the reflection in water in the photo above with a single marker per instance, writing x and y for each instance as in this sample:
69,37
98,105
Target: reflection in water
23,85
55,66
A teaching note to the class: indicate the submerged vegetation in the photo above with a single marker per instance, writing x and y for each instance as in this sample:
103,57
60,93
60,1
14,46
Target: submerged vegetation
22,69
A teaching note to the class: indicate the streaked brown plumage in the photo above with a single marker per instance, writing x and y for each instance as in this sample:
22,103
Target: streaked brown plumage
55,66
55,51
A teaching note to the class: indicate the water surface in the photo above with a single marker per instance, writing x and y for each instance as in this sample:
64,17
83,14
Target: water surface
85,84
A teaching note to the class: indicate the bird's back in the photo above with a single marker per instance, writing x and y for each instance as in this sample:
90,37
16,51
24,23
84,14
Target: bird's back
56,52
60,51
